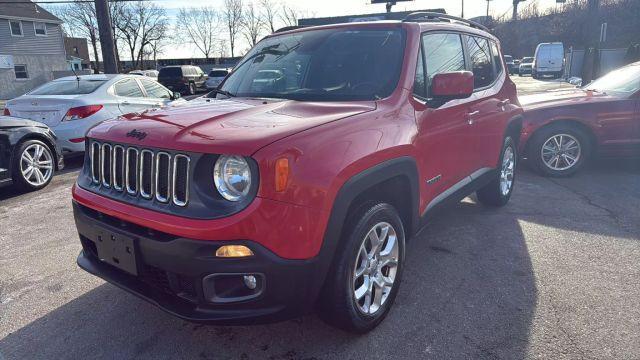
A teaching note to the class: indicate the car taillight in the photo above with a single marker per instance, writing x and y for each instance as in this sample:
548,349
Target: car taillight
6,112
81,112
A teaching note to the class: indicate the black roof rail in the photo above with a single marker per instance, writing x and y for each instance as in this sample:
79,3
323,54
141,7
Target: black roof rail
287,28
434,16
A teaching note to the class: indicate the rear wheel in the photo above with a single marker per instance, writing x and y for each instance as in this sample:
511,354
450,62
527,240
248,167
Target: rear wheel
498,191
33,165
559,150
365,278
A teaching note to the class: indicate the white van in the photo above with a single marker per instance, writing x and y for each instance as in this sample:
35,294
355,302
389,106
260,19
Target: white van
549,60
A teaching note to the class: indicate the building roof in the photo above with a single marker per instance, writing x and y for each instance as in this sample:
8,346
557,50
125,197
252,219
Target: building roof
25,9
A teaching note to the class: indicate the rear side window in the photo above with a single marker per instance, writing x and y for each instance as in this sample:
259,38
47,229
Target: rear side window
171,72
443,53
496,58
155,90
481,65
128,88
68,87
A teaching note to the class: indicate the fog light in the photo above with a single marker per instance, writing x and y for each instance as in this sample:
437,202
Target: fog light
231,251
250,281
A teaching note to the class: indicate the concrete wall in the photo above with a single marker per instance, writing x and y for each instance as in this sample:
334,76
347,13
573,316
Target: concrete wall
40,69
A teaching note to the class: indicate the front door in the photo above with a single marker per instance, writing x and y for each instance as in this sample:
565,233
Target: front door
130,96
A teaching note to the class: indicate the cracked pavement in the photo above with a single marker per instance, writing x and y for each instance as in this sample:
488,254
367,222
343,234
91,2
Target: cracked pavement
553,275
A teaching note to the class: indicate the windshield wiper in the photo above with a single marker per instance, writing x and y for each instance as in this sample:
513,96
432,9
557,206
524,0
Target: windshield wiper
220,91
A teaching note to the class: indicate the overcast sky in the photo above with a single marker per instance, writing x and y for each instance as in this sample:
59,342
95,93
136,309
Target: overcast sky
323,8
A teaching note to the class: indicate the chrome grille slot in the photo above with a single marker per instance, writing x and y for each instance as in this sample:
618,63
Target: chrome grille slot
118,168
180,193
95,162
105,164
163,176
146,174
131,171
157,176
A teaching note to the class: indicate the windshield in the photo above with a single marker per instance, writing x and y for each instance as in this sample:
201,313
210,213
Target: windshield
623,81
321,65
508,58
527,60
68,87
218,73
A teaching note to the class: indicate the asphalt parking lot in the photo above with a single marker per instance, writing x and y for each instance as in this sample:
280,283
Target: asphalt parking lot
553,275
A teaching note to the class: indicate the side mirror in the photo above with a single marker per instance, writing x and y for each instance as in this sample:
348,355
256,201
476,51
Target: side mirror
175,95
452,85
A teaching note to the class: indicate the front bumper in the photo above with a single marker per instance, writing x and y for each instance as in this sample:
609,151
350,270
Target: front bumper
171,269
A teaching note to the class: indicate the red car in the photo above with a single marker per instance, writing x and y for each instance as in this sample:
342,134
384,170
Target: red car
562,130
274,195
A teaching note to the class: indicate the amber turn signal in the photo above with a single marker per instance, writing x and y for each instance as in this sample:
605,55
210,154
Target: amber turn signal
282,174
233,251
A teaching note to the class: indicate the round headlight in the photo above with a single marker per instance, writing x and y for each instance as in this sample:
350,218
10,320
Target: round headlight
232,177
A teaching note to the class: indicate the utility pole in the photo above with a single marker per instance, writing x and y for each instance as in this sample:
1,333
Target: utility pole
488,10
462,14
514,14
106,37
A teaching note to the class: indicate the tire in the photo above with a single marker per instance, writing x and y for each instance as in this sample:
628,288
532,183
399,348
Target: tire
565,133
498,192
337,303
42,169
520,74
192,89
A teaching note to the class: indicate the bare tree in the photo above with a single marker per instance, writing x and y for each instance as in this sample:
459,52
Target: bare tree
232,16
251,24
141,24
269,14
200,27
80,21
290,15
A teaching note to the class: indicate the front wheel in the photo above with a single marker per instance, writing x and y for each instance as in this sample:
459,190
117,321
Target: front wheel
498,191
366,273
559,150
33,165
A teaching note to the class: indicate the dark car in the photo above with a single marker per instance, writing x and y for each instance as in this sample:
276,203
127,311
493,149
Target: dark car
562,130
511,65
186,79
28,154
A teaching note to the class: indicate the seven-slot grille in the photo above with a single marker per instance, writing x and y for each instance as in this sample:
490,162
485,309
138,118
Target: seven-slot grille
144,173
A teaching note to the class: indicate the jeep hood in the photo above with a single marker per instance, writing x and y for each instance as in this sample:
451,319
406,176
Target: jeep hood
234,126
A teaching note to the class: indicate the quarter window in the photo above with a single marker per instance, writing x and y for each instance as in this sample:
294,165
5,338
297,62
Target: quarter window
16,28
40,28
443,53
481,65
128,88
21,71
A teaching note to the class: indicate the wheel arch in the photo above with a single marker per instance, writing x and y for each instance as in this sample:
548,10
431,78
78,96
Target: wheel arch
564,121
39,137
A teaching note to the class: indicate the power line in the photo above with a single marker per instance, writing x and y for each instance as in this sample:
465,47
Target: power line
61,1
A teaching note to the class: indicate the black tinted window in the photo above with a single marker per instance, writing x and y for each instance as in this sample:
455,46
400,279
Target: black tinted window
128,88
496,57
443,53
480,61
218,73
170,72
68,87
419,86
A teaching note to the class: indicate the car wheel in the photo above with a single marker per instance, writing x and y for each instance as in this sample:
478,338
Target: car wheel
520,74
499,190
559,150
367,270
192,89
33,165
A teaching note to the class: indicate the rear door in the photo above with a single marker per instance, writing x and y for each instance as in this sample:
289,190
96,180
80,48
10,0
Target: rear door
442,139
130,96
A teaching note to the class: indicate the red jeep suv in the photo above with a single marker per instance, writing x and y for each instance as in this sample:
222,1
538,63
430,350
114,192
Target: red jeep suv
278,194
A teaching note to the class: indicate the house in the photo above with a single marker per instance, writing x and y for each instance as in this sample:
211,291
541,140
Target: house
77,53
31,47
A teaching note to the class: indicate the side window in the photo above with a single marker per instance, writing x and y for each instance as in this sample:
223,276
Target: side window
443,53
496,58
155,90
419,85
128,88
481,65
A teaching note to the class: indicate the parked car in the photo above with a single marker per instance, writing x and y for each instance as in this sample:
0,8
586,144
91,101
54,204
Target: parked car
29,155
526,64
215,78
548,60
186,79
71,106
563,130
511,65
261,202
148,73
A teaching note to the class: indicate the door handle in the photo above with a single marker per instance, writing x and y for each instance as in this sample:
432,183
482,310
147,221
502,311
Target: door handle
125,103
470,116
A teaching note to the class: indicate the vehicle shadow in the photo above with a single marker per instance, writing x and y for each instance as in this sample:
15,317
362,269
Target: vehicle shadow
468,292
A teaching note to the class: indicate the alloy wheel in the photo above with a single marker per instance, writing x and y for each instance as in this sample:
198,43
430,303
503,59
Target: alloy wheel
507,170
561,152
36,165
375,269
